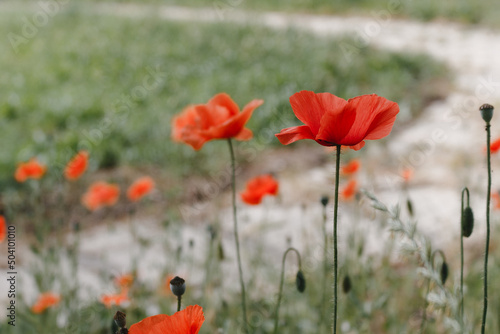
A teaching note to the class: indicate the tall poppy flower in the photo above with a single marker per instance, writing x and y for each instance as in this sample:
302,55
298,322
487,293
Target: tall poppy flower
45,301
220,118
333,121
495,146
3,228
100,194
29,170
187,321
140,188
351,168
77,165
258,187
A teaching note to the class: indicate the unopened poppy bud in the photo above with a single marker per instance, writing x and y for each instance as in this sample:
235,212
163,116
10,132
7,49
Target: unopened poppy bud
300,280
409,206
444,272
120,319
486,112
220,252
324,200
346,284
178,286
467,222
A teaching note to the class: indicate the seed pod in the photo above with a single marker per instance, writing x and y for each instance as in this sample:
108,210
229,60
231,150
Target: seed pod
120,319
178,286
486,112
467,222
300,280
444,272
346,284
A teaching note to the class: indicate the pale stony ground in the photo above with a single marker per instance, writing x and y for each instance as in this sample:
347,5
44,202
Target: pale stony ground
444,147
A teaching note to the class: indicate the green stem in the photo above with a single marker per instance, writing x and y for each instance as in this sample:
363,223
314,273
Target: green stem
280,293
325,273
424,315
179,303
235,221
485,300
335,255
464,191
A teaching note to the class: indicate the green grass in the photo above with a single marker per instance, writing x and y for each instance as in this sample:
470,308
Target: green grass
464,11
66,87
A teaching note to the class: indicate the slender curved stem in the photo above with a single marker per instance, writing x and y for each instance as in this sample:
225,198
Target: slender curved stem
485,300
236,238
424,315
335,255
276,314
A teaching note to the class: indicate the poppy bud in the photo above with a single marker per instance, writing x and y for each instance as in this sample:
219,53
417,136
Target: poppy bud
346,284
120,319
467,222
178,286
486,112
324,200
444,272
220,252
409,206
300,280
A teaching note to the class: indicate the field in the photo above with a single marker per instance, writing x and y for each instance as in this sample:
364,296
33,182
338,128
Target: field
111,84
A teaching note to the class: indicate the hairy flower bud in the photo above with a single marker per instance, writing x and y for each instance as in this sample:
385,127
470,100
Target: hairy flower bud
467,222
444,272
346,284
300,280
324,200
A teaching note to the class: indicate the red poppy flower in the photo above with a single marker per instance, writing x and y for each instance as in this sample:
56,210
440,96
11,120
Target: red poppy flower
494,146
331,121
124,281
407,174
140,188
44,301
496,200
351,168
29,170
100,194
187,321
258,187
3,228
115,299
77,165
220,118
349,190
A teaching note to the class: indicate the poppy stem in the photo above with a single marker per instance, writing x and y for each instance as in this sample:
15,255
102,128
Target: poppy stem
325,272
485,300
242,283
276,314
335,251
464,191
179,303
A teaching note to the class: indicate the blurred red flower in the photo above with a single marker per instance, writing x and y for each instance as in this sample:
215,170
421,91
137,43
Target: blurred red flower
29,170
220,118
494,146
76,166
100,194
3,228
140,188
331,121
258,187
124,282
187,321
407,174
349,190
496,200
115,299
351,168
44,301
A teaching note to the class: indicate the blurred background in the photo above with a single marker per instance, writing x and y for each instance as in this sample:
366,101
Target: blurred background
108,77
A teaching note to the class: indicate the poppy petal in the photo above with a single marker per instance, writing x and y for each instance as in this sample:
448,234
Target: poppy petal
245,134
224,100
335,126
374,118
187,321
290,135
310,107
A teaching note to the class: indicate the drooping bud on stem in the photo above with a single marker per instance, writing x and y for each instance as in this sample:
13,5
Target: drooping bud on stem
346,284
300,280
444,270
467,218
324,200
